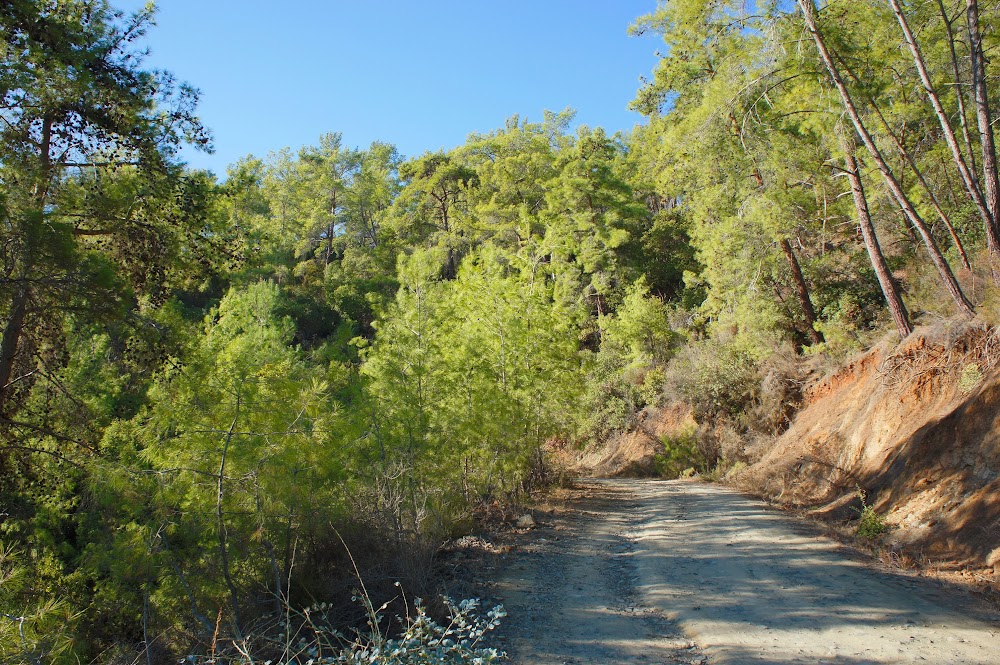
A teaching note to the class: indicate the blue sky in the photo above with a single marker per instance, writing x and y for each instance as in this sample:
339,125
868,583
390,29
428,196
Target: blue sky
419,74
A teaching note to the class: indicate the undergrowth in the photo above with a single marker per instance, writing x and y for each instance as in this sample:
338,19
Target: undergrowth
308,637
871,523
680,453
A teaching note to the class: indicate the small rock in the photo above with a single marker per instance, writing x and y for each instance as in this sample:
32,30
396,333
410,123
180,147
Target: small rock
525,522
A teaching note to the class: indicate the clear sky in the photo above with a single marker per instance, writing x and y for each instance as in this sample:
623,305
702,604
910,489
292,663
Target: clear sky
421,74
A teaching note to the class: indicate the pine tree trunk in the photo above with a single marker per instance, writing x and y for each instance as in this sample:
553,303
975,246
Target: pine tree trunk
991,186
944,270
8,347
802,291
987,214
885,279
908,159
331,227
14,327
959,91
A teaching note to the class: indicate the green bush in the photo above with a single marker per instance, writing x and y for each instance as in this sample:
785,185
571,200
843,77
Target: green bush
611,401
871,523
715,377
681,452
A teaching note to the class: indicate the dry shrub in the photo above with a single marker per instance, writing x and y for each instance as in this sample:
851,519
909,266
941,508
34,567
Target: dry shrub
717,378
926,297
739,394
757,445
944,348
720,442
387,532
780,395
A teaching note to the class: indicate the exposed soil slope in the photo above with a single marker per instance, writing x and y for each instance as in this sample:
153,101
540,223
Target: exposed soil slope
631,453
917,427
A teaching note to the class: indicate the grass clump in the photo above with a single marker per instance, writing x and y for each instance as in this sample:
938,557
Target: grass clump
971,377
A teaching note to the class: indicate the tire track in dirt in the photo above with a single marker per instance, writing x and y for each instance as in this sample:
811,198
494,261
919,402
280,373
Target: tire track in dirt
571,591
660,572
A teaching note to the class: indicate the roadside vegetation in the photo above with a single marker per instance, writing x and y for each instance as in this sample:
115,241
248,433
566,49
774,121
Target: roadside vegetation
214,391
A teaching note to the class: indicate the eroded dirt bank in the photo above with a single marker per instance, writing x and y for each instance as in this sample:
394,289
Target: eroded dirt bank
644,571
917,427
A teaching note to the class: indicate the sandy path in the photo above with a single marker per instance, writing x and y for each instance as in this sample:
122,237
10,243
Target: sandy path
682,572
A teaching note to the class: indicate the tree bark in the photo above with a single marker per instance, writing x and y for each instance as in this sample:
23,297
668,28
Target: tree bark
991,185
987,213
802,291
331,227
908,159
8,346
14,326
885,279
947,276
959,92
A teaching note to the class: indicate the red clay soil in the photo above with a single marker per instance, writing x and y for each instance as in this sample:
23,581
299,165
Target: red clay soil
632,453
917,427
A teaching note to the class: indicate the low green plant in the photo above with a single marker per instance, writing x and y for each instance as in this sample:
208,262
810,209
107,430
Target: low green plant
427,642
871,523
972,375
734,469
680,453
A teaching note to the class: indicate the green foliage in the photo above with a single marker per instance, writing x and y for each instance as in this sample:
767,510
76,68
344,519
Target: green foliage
31,630
87,241
680,453
971,377
241,440
469,376
871,523
640,328
717,378
628,372
612,399
844,325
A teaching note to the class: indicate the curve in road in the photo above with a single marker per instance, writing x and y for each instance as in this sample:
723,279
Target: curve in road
645,571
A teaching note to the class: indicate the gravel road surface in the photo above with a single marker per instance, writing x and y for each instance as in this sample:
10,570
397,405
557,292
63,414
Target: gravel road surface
644,571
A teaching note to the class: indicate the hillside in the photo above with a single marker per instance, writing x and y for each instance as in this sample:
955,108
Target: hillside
916,427
225,400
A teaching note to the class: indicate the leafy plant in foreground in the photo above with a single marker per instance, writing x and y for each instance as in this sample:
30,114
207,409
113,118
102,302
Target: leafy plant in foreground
871,523
423,641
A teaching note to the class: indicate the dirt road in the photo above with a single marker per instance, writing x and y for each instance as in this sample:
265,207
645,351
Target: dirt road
683,572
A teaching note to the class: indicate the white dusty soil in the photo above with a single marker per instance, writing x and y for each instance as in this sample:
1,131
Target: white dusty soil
645,571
